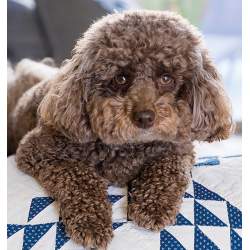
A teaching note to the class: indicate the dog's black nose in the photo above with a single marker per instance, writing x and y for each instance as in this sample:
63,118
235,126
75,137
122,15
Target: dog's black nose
144,119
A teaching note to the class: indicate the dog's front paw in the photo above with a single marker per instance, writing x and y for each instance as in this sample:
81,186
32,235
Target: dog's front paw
153,216
94,237
91,233
90,229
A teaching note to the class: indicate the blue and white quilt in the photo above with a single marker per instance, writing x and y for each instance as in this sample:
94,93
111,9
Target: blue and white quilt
210,216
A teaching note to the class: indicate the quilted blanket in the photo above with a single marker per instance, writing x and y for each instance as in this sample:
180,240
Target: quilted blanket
210,216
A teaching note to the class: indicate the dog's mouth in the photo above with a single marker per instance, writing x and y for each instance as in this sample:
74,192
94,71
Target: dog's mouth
134,134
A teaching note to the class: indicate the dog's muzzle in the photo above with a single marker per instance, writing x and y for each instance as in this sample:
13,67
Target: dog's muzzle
143,119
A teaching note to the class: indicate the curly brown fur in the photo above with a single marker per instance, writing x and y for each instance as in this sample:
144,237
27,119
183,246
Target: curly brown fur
24,97
157,193
139,88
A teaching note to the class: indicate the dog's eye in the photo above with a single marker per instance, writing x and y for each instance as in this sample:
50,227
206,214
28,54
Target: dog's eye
166,79
121,79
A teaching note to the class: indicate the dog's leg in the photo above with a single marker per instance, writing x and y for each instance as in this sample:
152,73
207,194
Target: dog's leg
80,192
156,195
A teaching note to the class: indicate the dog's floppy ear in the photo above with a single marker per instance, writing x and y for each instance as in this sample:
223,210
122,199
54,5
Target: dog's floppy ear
211,107
64,106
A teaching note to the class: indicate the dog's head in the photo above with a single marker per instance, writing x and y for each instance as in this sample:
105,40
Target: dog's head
138,77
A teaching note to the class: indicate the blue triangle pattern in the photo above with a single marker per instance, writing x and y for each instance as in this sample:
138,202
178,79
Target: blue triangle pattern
236,240
203,217
37,205
115,225
61,236
234,216
202,193
207,161
169,242
202,241
187,195
33,233
13,228
181,220
114,198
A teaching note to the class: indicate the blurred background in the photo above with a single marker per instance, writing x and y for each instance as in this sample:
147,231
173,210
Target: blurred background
49,28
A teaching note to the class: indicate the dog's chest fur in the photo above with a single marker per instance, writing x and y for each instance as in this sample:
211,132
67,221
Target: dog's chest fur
119,164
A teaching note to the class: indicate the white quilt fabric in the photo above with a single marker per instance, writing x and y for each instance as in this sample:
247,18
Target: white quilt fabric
210,216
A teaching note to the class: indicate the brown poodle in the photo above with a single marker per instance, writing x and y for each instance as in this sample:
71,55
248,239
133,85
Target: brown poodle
139,88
